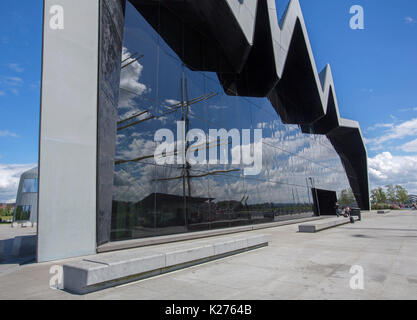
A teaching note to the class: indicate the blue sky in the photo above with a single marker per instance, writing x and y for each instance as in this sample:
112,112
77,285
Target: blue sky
375,73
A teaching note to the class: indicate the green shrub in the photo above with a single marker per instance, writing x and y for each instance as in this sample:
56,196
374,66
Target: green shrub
384,206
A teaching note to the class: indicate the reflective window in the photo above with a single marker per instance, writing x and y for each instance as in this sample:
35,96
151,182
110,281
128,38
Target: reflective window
22,213
156,91
30,186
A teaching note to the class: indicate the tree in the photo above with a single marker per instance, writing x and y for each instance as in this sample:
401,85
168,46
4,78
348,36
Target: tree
391,196
5,212
347,198
378,195
401,194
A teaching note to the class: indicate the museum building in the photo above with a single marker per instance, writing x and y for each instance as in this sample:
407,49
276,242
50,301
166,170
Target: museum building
115,72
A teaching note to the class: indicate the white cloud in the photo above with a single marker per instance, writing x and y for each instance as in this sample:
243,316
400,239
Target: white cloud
9,180
385,169
409,20
16,67
379,126
10,81
410,146
397,131
6,133
407,109
10,84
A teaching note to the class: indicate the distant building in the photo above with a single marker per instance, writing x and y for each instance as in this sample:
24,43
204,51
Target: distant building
413,198
7,205
27,197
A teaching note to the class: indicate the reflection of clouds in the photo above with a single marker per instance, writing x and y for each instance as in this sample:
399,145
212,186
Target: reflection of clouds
217,107
119,138
129,188
129,80
9,180
171,102
136,148
136,181
133,111
289,157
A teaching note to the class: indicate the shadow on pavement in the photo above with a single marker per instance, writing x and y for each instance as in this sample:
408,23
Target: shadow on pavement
18,250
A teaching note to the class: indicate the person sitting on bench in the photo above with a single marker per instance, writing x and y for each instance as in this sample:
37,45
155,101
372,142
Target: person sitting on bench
348,211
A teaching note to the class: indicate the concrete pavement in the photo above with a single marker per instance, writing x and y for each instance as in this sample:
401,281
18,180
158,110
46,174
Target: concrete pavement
293,266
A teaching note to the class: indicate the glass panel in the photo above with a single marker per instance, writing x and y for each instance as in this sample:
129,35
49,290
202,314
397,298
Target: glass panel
30,186
22,213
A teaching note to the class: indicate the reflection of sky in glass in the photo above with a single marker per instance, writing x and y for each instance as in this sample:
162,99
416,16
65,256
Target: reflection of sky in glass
154,83
30,186
152,86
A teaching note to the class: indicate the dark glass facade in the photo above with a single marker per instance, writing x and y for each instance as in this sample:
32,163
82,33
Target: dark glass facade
156,91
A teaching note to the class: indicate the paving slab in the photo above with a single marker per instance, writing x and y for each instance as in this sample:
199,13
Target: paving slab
294,266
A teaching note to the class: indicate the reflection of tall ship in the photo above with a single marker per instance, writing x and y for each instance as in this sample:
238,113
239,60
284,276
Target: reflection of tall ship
179,213
167,213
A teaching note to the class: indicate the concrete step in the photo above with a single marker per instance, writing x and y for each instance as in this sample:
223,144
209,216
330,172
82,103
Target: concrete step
114,268
320,225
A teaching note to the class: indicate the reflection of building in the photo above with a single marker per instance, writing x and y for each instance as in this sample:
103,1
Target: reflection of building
138,220
27,197
181,61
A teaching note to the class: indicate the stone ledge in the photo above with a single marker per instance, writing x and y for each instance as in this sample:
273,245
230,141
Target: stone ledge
110,269
383,211
151,241
323,225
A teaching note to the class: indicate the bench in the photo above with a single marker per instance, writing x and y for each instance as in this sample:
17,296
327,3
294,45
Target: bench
320,225
114,268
